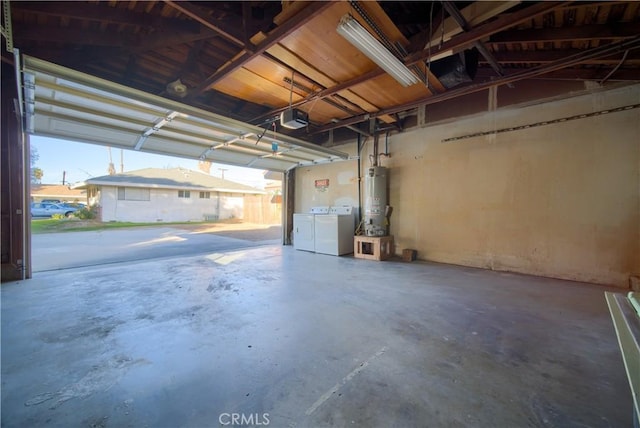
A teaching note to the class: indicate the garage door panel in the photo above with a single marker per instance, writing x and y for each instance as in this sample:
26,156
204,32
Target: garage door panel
167,145
78,130
64,103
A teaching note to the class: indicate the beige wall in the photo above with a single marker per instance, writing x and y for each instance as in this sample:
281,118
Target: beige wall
558,200
343,183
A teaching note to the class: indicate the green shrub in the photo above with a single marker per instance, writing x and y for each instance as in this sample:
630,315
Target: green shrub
87,213
57,216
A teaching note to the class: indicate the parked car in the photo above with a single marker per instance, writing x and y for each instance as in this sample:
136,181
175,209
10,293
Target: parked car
73,205
48,210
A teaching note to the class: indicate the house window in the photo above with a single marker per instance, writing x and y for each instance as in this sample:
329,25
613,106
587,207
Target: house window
133,194
205,195
184,194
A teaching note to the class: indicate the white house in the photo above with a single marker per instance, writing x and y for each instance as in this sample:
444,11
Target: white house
166,195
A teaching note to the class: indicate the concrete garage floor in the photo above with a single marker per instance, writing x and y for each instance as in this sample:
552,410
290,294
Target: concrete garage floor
303,340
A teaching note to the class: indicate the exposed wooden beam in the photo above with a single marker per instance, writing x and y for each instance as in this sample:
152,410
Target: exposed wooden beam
7,58
601,51
246,18
464,40
77,58
451,8
306,90
318,80
329,91
49,34
501,23
199,14
128,42
594,4
191,64
170,39
103,13
352,109
130,71
578,74
619,30
274,37
539,57
475,14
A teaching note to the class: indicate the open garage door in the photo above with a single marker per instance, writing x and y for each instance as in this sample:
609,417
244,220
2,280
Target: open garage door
70,105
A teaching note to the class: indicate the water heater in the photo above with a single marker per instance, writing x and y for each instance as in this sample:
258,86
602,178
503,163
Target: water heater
375,202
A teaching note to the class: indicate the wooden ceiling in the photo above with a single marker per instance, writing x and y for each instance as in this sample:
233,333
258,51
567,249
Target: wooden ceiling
238,58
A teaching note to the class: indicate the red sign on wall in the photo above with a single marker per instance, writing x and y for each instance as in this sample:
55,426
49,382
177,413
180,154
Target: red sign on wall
322,183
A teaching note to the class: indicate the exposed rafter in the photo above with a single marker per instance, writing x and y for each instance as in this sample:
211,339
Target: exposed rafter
601,51
328,92
130,71
74,36
581,74
475,14
618,31
236,57
191,64
459,42
198,14
169,39
92,54
246,17
478,33
451,8
538,57
104,14
274,37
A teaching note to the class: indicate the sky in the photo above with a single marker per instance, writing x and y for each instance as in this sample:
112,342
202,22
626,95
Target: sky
84,161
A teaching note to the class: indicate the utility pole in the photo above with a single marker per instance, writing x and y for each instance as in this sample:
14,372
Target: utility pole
64,177
222,170
111,169
121,161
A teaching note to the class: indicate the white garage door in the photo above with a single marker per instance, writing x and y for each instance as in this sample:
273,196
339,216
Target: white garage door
66,104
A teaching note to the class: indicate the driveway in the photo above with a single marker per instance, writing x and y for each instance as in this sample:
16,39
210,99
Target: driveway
53,251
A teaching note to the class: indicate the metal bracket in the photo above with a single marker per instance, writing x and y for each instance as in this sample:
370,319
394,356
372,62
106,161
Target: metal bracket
155,128
7,30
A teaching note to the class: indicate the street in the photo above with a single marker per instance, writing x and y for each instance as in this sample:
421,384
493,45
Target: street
53,251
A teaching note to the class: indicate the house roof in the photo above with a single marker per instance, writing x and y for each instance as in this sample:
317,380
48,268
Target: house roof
173,178
56,190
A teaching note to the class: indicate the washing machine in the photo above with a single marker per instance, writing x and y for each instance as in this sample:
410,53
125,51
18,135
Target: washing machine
304,228
334,231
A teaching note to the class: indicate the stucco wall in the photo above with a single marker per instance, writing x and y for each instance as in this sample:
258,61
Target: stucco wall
165,206
343,184
559,200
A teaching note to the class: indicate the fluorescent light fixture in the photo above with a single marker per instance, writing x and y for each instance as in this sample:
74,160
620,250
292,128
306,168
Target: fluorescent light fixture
358,36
